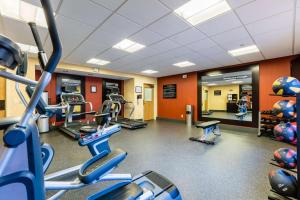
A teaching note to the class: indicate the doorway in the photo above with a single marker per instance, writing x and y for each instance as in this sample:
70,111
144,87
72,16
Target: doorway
148,101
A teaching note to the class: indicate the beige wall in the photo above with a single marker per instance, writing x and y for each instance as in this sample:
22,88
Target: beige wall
220,102
14,106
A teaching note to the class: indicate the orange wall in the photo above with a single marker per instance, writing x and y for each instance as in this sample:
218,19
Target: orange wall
95,98
186,94
269,71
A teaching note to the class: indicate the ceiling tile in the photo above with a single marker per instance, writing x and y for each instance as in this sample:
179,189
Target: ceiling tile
237,3
169,25
225,59
146,37
280,21
261,9
201,45
54,3
188,36
143,11
164,45
110,4
211,51
297,31
219,24
70,34
233,38
120,26
174,4
20,31
146,52
84,11
87,50
113,54
275,44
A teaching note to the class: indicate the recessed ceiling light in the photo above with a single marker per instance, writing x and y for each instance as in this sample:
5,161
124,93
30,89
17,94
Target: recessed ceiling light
96,61
236,82
129,46
197,11
215,74
149,71
244,50
28,48
211,84
184,64
23,11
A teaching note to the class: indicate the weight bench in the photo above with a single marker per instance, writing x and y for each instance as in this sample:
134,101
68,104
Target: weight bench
241,115
211,130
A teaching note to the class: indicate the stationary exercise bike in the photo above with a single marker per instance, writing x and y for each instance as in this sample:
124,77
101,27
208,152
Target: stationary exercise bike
21,168
242,108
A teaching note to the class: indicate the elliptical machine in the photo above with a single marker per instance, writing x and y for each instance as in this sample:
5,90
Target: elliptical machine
21,169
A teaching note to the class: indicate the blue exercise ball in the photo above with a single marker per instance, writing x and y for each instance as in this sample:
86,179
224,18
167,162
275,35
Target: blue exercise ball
286,86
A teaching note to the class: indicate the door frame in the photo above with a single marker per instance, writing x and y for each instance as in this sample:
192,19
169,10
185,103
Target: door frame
146,85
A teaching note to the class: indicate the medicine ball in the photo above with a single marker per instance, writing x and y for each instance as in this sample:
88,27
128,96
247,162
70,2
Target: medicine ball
283,183
285,132
285,108
286,158
286,86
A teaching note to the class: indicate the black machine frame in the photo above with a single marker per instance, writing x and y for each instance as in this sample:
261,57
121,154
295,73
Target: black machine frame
254,68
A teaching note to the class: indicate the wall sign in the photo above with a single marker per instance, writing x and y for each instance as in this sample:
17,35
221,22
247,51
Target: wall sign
93,89
217,92
138,89
169,91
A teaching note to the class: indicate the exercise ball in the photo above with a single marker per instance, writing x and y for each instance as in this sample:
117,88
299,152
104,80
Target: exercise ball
285,132
283,183
286,86
285,108
286,158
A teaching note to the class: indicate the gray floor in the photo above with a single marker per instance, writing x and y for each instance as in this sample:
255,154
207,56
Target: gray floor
235,168
226,115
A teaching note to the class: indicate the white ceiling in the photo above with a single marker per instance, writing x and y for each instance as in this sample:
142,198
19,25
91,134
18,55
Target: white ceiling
90,28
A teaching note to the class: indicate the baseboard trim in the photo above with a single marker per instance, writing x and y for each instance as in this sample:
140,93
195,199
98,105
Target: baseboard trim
170,120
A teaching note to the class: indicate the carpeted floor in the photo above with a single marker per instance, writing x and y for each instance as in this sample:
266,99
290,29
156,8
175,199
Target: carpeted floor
235,168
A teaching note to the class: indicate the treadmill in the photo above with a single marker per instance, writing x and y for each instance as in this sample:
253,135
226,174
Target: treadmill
71,100
128,123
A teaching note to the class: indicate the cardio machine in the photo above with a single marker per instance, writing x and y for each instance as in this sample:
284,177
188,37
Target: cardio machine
242,108
71,100
129,123
21,170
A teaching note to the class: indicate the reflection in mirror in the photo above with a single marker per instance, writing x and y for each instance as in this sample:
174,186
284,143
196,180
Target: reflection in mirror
227,96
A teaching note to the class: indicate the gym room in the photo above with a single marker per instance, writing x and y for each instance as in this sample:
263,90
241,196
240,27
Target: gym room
149,99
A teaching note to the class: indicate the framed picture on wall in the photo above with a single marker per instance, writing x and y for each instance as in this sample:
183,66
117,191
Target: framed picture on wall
169,91
138,89
217,92
93,89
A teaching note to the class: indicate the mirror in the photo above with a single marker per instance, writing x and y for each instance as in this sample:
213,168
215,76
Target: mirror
227,96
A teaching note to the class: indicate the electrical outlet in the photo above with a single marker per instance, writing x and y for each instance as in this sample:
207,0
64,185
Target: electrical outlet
181,115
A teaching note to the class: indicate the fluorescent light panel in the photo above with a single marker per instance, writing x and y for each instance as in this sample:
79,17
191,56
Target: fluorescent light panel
236,82
97,61
211,84
198,11
23,11
184,64
244,51
28,48
215,74
149,71
129,46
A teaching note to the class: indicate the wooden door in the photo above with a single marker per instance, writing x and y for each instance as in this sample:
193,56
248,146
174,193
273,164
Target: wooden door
2,97
148,102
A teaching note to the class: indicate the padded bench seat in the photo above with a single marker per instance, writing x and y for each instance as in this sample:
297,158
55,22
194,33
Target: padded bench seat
6,122
207,124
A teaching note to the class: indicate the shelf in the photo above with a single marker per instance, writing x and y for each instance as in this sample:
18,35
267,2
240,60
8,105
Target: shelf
282,95
273,162
275,196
